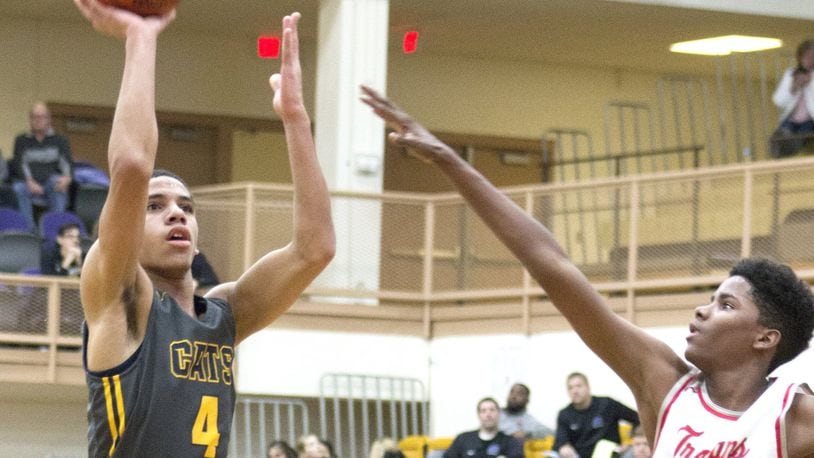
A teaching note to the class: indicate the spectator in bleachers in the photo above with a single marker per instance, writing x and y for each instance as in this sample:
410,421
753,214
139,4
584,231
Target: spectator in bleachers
794,97
42,165
65,256
588,419
281,449
382,446
640,448
516,421
312,446
488,440
304,442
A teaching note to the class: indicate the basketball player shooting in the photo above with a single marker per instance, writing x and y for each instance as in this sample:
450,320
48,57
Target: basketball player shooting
159,359
723,405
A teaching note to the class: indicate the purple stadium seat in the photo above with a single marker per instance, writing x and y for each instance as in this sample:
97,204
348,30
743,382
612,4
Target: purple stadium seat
50,222
12,220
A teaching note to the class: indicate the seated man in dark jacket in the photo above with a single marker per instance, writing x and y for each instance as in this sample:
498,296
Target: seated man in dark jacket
487,441
588,420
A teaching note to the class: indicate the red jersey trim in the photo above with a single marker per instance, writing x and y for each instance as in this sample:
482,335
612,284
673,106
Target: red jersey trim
709,407
778,424
669,405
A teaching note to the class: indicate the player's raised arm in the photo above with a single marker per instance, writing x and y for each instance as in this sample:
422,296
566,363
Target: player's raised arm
627,349
272,284
113,284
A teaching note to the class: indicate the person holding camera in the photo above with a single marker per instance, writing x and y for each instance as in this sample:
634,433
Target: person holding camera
794,97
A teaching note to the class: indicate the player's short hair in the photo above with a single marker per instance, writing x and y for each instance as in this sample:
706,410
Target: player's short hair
784,303
166,173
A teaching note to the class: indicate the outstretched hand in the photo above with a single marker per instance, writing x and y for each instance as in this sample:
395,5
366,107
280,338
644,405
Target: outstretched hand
408,132
287,85
117,22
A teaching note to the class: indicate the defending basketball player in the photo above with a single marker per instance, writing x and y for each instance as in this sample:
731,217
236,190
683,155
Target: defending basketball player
159,359
725,404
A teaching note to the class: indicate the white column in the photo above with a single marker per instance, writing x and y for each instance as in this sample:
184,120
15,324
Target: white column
352,50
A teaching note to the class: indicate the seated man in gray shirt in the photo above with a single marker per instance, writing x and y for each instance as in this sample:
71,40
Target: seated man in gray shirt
516,421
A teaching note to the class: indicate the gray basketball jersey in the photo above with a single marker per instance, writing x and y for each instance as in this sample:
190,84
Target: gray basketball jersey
175,396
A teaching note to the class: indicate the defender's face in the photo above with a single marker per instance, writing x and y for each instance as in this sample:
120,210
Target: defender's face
488,414
724,331
170,228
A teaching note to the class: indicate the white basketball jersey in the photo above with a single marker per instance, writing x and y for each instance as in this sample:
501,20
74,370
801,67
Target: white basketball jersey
690,425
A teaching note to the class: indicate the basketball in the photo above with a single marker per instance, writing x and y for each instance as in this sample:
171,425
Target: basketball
144,7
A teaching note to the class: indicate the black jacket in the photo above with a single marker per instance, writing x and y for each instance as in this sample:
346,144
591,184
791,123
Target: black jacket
468,445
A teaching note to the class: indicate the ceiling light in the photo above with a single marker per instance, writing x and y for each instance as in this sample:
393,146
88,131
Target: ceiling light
725,45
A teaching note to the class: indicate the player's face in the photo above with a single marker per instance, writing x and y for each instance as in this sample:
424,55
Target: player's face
170,228
724,332
488,414
277,452
578,391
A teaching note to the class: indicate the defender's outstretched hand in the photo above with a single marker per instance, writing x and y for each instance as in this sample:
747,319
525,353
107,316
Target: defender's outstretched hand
287,84
116,22
408,132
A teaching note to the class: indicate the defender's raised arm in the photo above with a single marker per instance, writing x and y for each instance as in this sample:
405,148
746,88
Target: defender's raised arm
647,365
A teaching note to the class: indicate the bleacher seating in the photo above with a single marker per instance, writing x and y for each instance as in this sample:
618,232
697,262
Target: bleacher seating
88,203
436,446
538,448
20,251
12,220
413,446
51,221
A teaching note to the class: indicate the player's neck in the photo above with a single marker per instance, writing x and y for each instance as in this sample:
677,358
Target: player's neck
735,390
182,290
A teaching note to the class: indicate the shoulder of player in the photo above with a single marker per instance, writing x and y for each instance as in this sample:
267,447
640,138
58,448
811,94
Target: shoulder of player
800,423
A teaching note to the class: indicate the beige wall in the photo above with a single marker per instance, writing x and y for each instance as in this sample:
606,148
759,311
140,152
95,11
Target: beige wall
43,420
221,75
70,63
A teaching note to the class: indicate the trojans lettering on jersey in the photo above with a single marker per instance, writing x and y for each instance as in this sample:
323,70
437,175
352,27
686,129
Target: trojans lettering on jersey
723,449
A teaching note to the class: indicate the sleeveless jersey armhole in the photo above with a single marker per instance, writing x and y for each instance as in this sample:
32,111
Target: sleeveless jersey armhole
108,372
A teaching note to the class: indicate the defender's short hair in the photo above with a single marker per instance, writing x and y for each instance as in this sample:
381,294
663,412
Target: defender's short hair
784,303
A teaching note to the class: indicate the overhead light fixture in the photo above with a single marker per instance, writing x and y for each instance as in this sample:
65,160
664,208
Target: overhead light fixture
725,45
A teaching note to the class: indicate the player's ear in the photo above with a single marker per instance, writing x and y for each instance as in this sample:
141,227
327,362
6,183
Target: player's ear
768,338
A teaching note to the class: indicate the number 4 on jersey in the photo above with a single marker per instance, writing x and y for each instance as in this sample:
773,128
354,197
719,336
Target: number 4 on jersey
205,430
